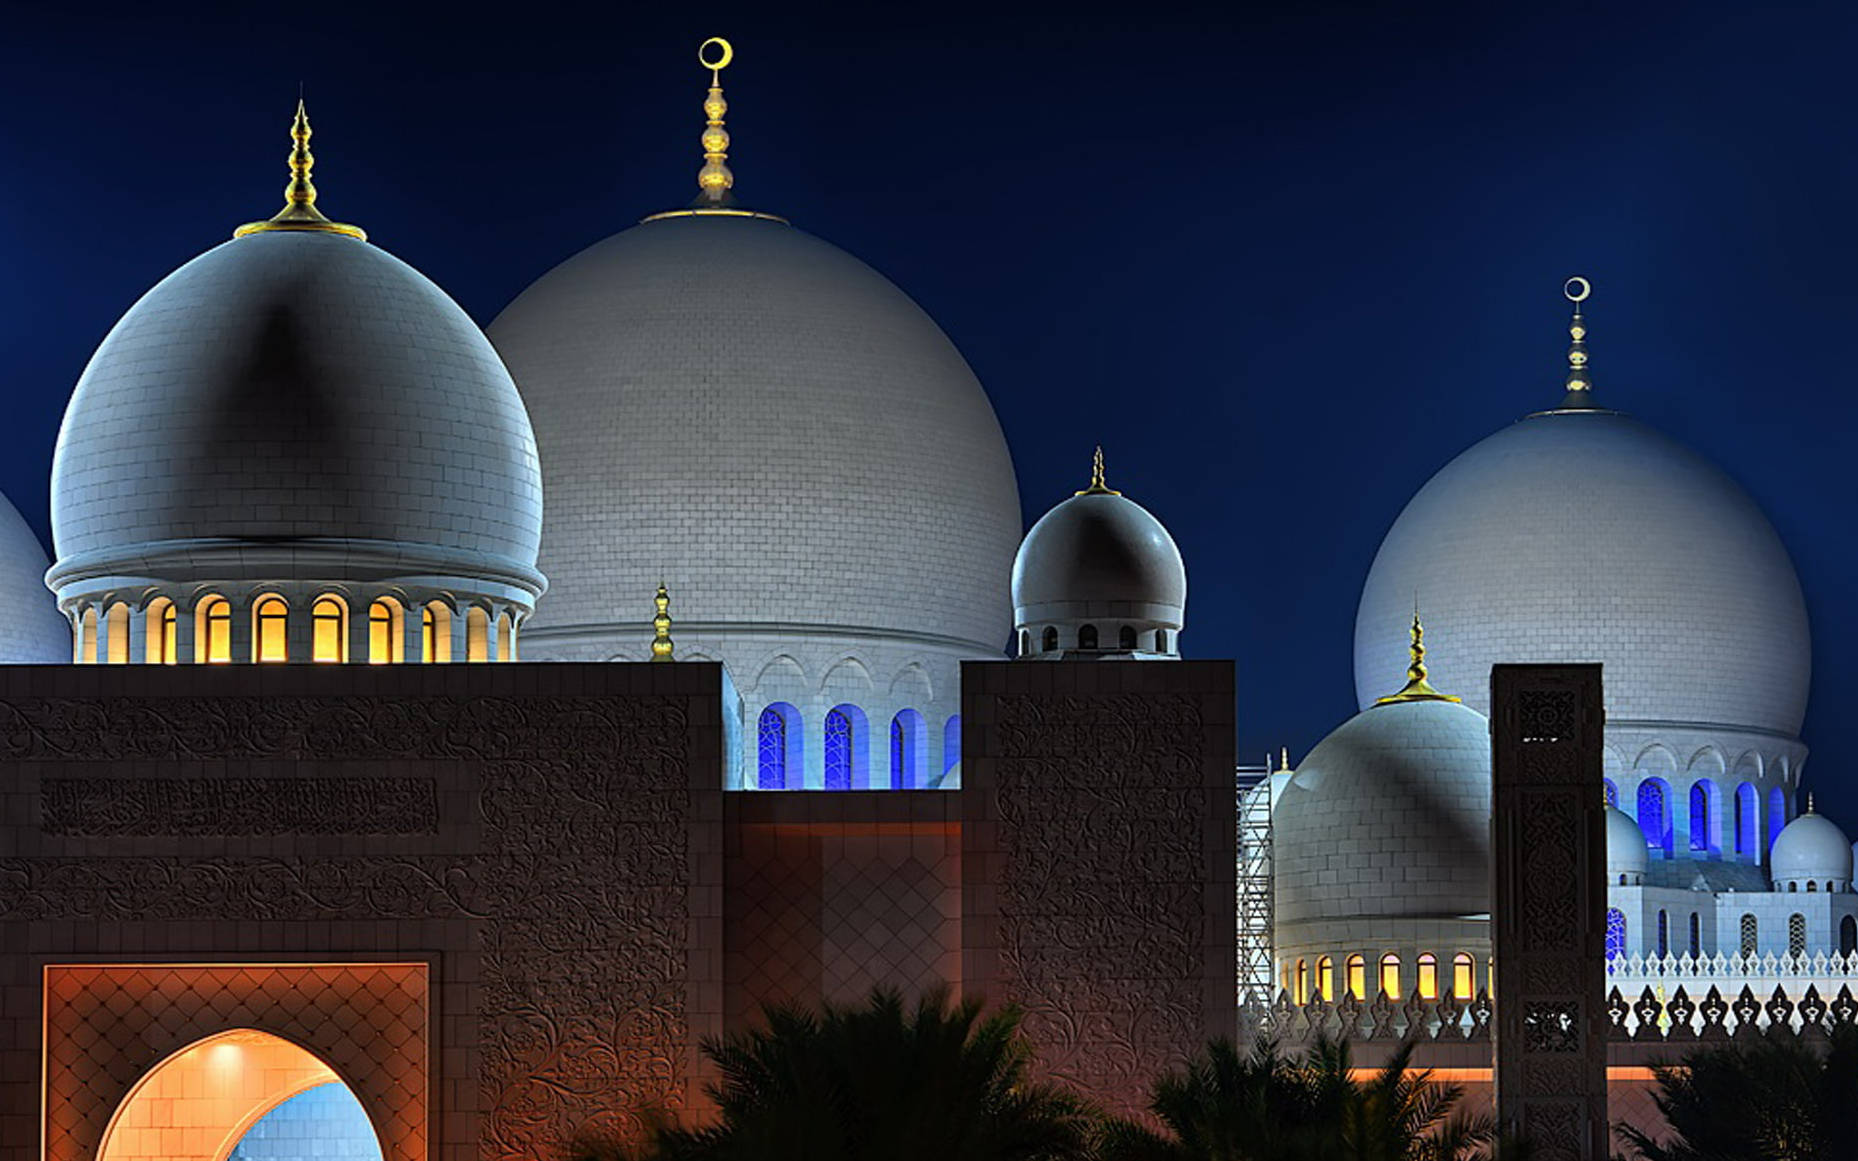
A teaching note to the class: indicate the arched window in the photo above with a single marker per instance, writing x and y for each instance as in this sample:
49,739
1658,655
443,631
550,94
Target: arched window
1696,935
84,637
1125,637
1664,933
1464,968
1796,934
951,743
1615,933
1390,975
1612,793
1751,934
1777,813
1087,637
435,634
116,635
1025,642
1048,639
1848,936
477,634
213,631
1357,971
1428,976
1655,815
329,629
1161,640
838,749
1325,978
776,738
1745,812
1700,817
1792,887
386,632
270,621
908,735
1811,886
1302,994
506,638
160,646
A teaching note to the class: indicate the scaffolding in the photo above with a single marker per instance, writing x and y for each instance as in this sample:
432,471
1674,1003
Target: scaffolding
1255,981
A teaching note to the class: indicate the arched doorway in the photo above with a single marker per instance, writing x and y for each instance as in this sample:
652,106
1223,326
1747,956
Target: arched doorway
240,1095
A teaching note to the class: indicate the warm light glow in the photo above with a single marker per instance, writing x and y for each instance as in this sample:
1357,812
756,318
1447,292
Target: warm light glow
1302,994
477,634
1357,977
159,647
1463,986
116,635
213,632
269,621
386,637
1325,978
435,625
329,630
506,638
1390,975
1428,976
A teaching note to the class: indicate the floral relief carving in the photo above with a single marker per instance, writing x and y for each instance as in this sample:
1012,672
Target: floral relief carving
123,807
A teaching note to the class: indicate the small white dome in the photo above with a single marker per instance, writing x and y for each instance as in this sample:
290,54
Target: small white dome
1811,849
1626,850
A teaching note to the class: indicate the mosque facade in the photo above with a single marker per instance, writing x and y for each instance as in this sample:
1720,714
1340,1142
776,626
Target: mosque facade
497,906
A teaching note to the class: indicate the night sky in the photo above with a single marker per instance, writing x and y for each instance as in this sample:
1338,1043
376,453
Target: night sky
1283,263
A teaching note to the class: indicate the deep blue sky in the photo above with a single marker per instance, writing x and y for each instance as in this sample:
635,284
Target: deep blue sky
1284,263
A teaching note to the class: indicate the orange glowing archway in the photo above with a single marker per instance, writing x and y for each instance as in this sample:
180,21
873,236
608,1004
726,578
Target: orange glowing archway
198,1103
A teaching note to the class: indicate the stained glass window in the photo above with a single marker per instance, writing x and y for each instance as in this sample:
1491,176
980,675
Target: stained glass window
771,771
1615,933
1654,815
838,750
908,734
1699,818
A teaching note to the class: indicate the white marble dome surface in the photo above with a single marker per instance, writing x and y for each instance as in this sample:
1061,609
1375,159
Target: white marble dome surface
1099,555
297,388
1589,536
1626,851
1811,848
1388,817
31,630
772,428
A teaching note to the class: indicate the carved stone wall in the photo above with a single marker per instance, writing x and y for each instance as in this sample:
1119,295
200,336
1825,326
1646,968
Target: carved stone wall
546,837
1548,851
1098,847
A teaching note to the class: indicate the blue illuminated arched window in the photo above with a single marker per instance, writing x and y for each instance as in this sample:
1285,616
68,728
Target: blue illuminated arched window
1700,817
1615,933
1664,933
1696,935
1746,812
1655,815
1777,813
1612,793
838,749
951,743
908,735
777,748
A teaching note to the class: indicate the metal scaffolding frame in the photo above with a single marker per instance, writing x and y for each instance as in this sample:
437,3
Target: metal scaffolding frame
1255,983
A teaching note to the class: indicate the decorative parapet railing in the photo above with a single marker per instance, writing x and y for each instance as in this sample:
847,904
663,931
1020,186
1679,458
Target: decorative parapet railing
1648,1000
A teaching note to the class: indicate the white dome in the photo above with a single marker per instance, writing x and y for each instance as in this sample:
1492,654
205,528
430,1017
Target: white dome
1626,850
31,631
1811,848
304,396
1389,816
765,423
1588,536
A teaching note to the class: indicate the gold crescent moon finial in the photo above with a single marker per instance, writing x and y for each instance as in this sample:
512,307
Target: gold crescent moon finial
726,54
1577,289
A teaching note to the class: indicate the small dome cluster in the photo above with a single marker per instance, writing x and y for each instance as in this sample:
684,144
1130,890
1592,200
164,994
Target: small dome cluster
1811,854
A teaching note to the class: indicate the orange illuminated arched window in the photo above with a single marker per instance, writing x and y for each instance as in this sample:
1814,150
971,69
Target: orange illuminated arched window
213,631
270,618
435,634
1302,994
506,638
1357,969
1390,975
1463,967
329,629
1428,976
386,634
116,635
477,634
162,633
1325,978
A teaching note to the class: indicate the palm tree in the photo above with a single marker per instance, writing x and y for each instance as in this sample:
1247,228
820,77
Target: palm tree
881,1080
1229,1105
1778,1099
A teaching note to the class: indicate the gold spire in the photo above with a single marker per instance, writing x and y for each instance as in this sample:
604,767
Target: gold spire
1097,486
1579,382
300,212
1809,802
714,179
661,626
1417,688
1283,759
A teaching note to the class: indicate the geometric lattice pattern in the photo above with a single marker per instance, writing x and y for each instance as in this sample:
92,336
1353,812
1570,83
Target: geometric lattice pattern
107,1026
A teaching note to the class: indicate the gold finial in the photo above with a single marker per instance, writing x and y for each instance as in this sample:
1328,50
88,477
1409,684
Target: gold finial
714,179
1580,382
300,212
1417,688
1097,486
1809,802
1283,759
661,625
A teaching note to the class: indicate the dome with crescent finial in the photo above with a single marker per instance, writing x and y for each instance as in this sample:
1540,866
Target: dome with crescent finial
293,410
1811,850
1099,576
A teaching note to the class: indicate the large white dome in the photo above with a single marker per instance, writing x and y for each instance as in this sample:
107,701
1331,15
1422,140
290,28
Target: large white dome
31,631
765,423
1588,536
